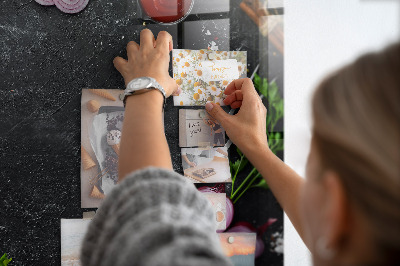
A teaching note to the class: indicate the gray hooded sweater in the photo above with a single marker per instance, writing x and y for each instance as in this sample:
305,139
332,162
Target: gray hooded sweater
153,217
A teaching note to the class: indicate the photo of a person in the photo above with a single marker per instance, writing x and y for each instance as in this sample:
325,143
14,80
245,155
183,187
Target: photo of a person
198,129
217,130
189,159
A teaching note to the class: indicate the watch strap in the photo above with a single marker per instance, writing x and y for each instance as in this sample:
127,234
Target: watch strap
154,85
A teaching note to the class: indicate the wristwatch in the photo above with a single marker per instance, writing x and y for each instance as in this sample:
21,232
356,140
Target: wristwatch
140,85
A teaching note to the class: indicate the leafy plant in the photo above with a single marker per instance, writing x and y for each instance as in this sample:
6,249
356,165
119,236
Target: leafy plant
4,260
270,91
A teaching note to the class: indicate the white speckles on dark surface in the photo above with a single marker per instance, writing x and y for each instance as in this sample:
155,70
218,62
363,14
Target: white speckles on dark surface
46,58
201,34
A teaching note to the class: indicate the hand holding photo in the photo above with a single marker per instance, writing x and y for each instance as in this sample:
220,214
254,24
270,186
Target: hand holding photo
204,74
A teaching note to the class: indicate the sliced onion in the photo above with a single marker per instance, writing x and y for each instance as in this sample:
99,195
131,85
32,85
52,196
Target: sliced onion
71,6
229,205
229,212
206,189
45,2
220,188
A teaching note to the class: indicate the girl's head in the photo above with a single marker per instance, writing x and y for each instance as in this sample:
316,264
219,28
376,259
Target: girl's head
351,199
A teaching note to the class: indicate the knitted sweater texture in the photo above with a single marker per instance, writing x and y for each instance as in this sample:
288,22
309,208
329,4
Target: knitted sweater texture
153,217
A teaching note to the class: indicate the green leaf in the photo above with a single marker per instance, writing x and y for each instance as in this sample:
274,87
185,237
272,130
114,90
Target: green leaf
263,89
235,165
273,93
278,104
262,184
239,152
4,260
269,116
276,136
256,81
244,163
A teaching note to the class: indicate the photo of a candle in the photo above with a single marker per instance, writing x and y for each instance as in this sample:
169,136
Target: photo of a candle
167,11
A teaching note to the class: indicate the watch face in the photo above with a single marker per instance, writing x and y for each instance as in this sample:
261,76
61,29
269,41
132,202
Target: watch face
140,83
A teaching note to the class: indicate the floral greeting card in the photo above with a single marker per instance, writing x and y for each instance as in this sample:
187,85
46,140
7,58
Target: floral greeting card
204,74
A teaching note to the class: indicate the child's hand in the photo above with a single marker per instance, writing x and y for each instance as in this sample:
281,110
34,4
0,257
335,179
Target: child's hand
247,129
150,59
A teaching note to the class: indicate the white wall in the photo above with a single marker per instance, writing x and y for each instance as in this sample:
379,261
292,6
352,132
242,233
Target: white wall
320,36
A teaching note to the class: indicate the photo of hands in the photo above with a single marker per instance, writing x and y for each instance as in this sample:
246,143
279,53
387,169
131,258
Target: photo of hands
206,165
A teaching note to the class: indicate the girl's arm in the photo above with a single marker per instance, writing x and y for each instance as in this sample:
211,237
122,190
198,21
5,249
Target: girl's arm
247,130
192,164
143,141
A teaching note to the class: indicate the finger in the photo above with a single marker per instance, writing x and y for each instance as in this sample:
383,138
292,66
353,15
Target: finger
231,87
217,113
236,104
171,88
235,96
245,85
131,48
177,92
147,40
164,41
119,63
250,96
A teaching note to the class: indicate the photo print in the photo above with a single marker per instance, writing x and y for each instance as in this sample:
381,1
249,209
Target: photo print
218,202
72,234
239,247
198,129
204,74
102,115
206,165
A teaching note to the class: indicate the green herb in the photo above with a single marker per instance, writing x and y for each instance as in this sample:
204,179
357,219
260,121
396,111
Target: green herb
269,91
4,260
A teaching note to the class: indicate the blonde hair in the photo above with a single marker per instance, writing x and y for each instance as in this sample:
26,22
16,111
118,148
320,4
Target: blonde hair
356,114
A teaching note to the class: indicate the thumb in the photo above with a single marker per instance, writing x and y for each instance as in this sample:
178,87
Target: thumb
218,113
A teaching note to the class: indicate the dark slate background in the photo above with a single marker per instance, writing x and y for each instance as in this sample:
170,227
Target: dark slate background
46,58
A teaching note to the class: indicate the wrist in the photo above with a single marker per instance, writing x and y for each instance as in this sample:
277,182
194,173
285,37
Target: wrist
149,99
143,85
255,151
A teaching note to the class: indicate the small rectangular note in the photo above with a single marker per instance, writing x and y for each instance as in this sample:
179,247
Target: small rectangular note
219,70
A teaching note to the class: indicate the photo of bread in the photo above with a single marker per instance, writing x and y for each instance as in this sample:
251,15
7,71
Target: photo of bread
103,93
204,172
101,124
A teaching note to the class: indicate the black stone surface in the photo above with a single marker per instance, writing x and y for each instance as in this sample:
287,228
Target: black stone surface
46,58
